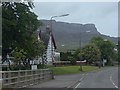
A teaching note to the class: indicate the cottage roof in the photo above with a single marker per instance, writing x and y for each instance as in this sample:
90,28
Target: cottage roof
44,36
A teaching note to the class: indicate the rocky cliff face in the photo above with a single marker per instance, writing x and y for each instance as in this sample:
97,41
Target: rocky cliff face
69,35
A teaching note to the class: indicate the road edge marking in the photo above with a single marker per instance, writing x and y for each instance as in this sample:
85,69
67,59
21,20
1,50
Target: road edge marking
85,74
78,83
77,86
113,82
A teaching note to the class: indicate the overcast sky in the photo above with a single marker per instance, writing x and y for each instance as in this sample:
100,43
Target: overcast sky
103,14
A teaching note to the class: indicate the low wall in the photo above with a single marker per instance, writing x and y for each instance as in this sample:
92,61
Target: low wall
24,78
60,63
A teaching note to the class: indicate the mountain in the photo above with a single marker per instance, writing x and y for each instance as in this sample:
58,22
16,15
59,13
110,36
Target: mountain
69,35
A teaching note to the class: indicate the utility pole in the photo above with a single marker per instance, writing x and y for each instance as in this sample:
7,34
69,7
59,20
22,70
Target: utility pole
51,29
80,53
80,45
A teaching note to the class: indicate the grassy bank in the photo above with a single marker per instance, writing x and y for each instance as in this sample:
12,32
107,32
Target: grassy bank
71,69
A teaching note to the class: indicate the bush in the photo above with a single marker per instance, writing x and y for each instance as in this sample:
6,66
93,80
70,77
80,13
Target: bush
41,66
73,62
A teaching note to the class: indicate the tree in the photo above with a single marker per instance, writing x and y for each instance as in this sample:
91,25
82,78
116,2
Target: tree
18,29
90,53
19,55
106,48
72,59
118,48
64,56
34,48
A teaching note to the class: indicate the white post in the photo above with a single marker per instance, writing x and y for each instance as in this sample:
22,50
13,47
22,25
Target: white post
103,63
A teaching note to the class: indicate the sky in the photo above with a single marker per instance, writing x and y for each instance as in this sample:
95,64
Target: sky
103,14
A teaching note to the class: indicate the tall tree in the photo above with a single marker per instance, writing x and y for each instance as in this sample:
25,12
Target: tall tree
106,48
18,28
90,53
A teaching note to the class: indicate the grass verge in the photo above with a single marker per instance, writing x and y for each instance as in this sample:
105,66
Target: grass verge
71,69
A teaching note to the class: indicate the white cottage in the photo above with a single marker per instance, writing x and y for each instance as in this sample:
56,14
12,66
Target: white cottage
47,37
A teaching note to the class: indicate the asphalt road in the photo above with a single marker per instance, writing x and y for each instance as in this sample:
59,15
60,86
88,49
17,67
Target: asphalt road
104,78
60,81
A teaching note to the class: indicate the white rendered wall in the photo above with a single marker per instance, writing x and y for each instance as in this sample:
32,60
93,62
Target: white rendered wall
50,52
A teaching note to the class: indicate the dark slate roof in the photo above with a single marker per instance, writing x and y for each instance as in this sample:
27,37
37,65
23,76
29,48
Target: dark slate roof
54,41
44,36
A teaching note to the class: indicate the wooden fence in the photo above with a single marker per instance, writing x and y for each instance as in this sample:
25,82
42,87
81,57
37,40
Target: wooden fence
24,78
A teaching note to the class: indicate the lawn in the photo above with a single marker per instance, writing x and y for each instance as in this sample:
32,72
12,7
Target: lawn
71,69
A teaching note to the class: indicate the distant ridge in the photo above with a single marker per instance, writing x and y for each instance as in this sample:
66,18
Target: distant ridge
67,35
